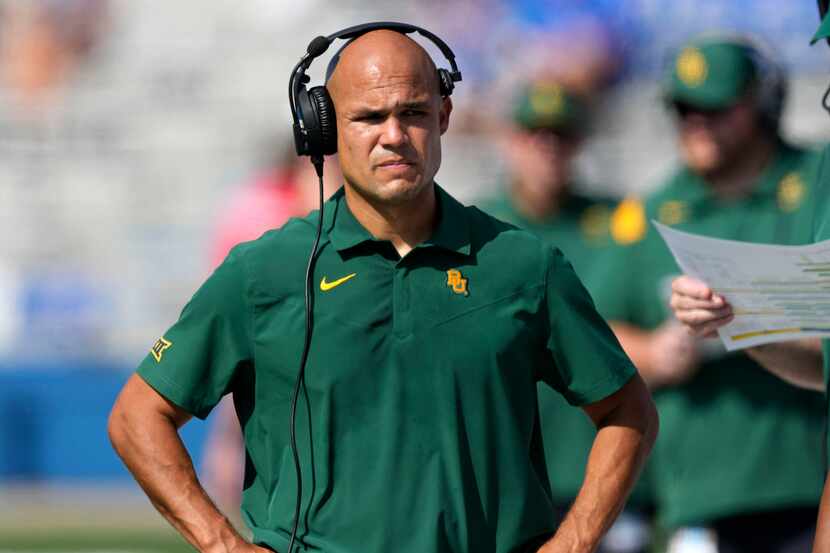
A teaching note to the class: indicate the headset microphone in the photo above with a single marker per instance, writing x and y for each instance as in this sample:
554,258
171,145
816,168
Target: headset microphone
318,46
315,135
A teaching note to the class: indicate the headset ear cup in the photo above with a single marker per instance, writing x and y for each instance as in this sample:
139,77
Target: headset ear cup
326,118
772,83
445,82
304,122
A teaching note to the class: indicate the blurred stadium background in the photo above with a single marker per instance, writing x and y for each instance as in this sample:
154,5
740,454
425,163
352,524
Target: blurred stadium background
126,125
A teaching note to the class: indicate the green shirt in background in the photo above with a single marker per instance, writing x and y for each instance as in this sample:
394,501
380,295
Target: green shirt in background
418,430
821,231
581,229
734,439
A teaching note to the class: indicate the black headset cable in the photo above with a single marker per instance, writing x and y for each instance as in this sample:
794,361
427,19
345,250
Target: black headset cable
309,324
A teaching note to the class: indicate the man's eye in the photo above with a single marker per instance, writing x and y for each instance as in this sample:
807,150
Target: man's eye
414,113
370,118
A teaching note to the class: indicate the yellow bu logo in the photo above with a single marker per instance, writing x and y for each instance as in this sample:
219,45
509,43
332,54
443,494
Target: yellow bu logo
457,282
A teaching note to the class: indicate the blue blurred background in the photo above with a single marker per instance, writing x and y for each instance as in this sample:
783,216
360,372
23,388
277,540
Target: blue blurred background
125,126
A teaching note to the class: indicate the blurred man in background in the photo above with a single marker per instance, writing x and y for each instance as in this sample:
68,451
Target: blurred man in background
798,362
740,454
288,188
547,128
42,45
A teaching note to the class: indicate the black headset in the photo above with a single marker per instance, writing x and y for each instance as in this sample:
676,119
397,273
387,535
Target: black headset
822,11
771,80
315,135
315,126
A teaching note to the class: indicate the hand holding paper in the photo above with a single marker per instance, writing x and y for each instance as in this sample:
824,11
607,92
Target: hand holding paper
772,293
698,307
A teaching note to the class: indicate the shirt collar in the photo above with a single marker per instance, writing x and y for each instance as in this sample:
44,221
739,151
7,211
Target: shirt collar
343,229
452,232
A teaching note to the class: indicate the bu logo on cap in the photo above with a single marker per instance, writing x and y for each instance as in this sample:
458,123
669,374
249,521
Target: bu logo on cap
692,67
547,99
457,282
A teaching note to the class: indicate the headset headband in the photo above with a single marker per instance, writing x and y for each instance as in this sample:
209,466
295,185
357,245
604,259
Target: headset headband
403,28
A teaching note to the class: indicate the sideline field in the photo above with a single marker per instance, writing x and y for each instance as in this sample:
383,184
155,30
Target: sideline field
89,519
82,519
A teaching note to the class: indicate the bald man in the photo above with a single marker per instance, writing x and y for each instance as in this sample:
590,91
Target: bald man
433,324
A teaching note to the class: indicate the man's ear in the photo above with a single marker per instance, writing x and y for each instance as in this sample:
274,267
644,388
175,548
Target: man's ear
444,114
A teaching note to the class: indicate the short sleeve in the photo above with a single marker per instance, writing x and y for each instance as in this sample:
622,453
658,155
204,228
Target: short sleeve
589,364
194,363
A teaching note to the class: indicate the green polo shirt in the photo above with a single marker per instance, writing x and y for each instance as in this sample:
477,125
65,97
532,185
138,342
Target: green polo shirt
821,231
734,439
418,427
581,229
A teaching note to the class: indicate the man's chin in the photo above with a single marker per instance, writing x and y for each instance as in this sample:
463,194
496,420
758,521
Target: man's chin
704,161
400,191
707,168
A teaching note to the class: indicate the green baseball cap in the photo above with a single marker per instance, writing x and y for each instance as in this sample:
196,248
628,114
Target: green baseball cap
711,74
823,30
548,105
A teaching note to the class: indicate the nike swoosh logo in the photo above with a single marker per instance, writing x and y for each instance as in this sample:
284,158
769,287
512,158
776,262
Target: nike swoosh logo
326,286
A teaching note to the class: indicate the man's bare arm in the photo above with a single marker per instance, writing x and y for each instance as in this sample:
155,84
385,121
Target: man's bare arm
822,541
665,356
702,311
627,427
798,362
143,428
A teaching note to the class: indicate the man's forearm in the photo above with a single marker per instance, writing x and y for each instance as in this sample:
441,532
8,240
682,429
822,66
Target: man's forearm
620,448
822,542
797,362
608,481
153,451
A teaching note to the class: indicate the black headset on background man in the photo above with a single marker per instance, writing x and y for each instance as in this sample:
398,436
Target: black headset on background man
822,11
315,135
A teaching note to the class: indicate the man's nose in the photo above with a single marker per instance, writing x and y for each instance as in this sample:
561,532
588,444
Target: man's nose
393,132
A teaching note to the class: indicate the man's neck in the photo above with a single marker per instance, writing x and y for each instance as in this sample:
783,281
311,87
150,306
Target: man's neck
405,225
741,177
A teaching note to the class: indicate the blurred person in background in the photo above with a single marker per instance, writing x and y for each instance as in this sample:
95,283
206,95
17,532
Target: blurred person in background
738,466
43,43
288,189
803,363
549,124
